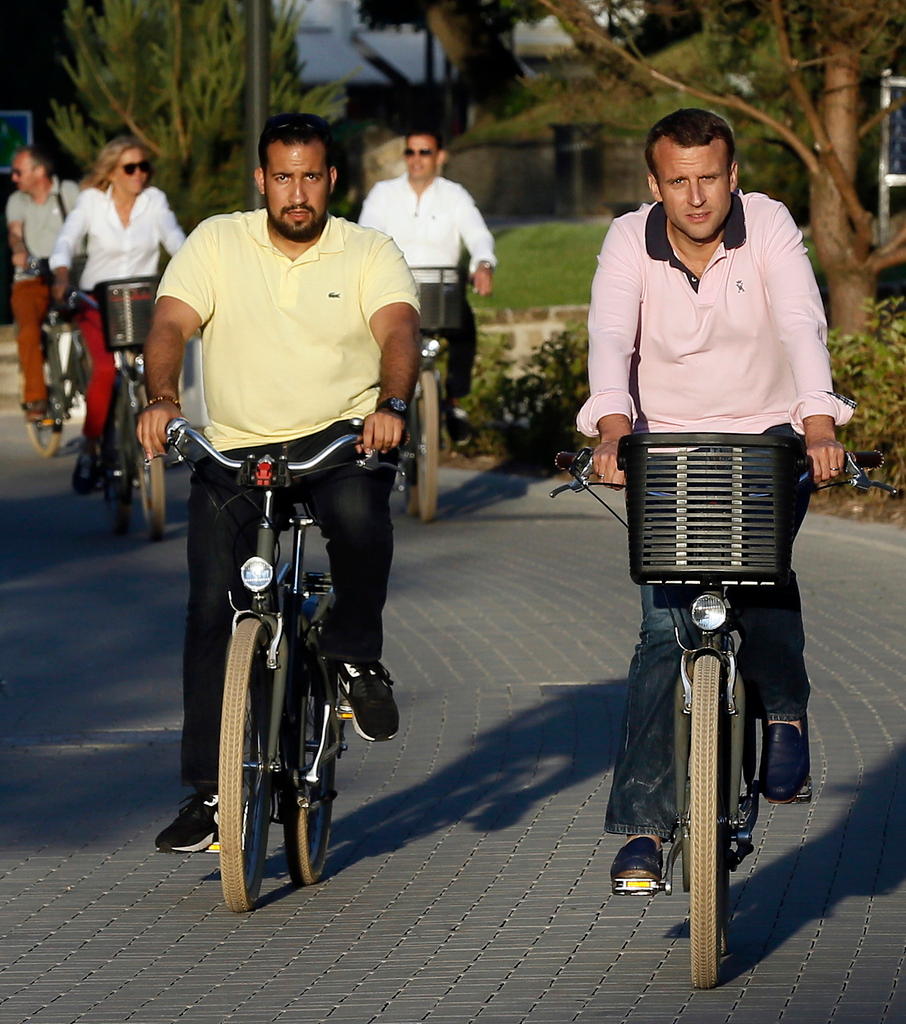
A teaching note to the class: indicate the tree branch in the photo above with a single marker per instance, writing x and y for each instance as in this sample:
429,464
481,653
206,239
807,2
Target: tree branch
877,118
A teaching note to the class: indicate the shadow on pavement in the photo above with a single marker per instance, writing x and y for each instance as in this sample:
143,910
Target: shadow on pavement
859,854
510,772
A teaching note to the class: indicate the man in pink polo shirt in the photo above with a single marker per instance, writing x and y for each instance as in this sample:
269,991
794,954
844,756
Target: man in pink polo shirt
705,316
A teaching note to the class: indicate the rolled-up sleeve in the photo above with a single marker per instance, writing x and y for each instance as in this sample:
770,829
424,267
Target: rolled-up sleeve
74,229
613,325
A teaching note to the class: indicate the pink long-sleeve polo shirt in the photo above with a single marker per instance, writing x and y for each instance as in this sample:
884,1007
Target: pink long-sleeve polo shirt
741,349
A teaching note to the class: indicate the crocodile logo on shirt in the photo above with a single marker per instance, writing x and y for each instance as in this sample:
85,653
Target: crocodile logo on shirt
333,295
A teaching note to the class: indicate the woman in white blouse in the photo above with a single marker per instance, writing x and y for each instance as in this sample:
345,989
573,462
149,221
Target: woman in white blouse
126,221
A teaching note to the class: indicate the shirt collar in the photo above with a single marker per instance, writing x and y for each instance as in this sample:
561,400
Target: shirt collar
331,240
658,245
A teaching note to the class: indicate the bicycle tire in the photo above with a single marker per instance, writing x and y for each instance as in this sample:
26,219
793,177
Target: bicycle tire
152,487
244,783
408,453
306,826
45,436
706,831
118,462
427,445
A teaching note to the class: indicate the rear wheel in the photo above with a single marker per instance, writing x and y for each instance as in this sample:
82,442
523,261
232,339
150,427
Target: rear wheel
308,808
244,806
707,825
427,447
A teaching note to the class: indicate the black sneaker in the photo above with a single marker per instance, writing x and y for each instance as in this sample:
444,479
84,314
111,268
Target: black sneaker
194,828
86,474
367,688
458,426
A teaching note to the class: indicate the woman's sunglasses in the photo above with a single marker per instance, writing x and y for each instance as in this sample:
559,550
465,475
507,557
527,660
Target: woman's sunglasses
143,165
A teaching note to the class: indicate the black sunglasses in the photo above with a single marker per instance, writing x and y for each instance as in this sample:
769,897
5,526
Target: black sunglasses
143,165
408,151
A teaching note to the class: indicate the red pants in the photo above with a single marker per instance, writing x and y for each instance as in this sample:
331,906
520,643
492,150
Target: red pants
103,374
30,300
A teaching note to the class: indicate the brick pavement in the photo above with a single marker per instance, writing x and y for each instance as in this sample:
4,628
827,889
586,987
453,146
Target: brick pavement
467,879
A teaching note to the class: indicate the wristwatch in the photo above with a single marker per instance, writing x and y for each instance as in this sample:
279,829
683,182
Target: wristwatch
395,405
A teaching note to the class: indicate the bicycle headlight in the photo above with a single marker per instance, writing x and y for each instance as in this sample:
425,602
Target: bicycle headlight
256,574
709,612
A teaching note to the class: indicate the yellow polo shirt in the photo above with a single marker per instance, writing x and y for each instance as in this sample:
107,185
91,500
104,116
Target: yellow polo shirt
286,346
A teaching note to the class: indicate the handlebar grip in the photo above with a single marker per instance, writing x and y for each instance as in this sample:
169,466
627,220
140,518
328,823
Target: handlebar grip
564,460
868,460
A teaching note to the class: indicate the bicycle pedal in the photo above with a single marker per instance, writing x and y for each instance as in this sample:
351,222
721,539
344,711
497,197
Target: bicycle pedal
638,886
804,796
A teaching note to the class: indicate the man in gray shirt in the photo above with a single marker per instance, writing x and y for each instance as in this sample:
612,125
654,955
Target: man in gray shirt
34,216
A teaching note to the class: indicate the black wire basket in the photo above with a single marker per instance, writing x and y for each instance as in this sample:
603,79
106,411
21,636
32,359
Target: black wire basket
127,306
711,509
440,294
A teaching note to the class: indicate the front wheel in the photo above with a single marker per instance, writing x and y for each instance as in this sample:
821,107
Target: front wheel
152,488
244,807
426,445
308,807
119,456
707,825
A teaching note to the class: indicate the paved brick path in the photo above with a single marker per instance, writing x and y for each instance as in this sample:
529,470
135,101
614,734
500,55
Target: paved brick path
467,875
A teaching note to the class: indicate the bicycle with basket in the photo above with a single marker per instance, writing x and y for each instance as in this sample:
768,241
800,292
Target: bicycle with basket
713,511
440,297
127,306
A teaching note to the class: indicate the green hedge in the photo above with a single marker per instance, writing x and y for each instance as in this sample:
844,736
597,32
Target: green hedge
871,368
529,414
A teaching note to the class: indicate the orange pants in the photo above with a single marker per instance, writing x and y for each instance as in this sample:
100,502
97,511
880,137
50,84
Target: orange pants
30,300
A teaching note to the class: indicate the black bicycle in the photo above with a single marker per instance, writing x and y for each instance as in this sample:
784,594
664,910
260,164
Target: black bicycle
282,730
66,374
713,511
126,307
440,297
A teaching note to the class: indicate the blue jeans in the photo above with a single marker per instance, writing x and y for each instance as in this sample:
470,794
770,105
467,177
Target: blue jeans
770,659
352,506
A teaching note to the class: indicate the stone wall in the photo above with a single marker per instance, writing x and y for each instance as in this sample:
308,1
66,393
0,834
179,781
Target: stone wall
526,329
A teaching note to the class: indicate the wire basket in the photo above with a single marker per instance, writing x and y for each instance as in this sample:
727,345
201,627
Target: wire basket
127,306
440,294
711,509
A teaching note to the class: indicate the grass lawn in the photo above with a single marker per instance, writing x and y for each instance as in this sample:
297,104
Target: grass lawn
548,264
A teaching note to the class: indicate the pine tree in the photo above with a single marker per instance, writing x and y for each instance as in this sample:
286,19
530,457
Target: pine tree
172,73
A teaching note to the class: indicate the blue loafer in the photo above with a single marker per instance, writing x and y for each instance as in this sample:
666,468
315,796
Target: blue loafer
639,858
785,761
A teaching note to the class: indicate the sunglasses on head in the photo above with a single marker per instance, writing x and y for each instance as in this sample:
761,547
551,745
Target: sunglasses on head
143,165
408,151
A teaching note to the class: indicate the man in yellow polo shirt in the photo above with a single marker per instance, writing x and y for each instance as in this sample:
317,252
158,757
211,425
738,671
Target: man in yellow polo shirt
307,321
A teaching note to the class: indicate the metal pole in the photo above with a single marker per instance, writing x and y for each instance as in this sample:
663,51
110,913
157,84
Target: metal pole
883,161
257,88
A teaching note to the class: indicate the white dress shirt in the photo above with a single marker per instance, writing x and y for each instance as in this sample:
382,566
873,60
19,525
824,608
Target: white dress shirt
432,227
116,250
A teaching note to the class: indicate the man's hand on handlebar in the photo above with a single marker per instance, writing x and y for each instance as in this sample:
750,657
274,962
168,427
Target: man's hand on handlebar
610,428
381,431
152,427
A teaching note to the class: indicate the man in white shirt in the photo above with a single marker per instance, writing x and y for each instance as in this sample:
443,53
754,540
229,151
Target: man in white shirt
430,218
34,215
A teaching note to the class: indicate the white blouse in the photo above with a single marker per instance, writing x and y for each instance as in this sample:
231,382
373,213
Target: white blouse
116,250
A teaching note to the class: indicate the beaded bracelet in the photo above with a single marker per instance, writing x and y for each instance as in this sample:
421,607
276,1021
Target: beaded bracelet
163,398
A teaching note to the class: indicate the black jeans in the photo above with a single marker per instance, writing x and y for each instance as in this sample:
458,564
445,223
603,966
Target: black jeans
352,506
770,658
461,353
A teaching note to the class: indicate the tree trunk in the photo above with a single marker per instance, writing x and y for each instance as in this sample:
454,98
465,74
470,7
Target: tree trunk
842,236
479,55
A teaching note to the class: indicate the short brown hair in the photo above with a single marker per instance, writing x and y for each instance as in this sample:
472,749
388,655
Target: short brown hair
690,126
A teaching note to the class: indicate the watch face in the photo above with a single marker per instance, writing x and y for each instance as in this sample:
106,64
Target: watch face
396,404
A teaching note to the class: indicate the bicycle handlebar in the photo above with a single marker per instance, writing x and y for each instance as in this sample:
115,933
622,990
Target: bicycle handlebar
179,429
578,465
